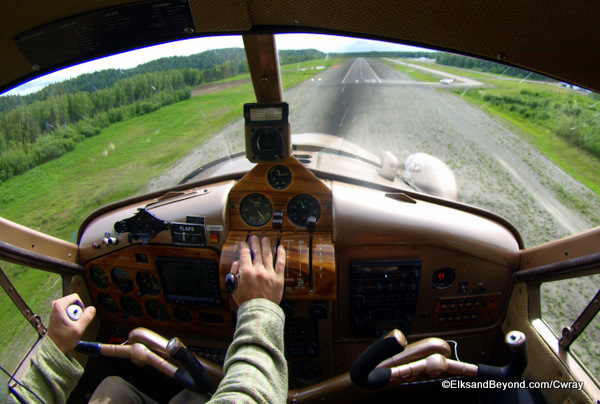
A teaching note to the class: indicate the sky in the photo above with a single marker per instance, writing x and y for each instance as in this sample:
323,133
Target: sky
187,47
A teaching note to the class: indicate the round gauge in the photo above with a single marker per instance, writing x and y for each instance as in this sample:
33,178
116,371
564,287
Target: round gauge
256,210
301,207
279,177
121,279
107,303
267,144
157,310
182,314
131,307
443,277
148,283
98,276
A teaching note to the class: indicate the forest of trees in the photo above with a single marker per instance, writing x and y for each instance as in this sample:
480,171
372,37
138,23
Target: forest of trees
466,62
31,134
39,127
287,57
213,62
381,54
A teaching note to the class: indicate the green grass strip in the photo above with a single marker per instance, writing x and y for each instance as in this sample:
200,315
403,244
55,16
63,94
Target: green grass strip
541,133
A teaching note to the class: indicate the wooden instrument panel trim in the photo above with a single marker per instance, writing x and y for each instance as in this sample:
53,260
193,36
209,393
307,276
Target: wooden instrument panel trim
205,319
303,182
297,273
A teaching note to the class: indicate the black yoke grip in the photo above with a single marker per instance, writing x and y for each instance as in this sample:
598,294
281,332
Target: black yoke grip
515,368
183,378
194,368
364,371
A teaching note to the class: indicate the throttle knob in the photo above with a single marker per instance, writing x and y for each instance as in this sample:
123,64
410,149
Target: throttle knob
231,283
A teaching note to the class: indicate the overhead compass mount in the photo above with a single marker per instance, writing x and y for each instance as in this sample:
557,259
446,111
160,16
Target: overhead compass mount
267,132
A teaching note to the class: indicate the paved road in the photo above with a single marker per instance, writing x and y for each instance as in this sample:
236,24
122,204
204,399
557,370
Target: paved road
368,102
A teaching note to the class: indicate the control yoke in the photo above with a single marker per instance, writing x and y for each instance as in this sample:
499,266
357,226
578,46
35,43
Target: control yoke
145,347
387,361
368,370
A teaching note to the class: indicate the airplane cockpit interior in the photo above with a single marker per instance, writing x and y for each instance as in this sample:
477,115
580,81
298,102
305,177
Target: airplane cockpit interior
430,170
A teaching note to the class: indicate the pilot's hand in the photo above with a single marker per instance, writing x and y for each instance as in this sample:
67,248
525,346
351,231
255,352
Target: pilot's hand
256,277
63,331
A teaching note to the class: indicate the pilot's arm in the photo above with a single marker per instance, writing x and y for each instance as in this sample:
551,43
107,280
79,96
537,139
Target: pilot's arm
255,366
53,373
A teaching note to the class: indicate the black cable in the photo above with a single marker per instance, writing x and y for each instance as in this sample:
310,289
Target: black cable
13,392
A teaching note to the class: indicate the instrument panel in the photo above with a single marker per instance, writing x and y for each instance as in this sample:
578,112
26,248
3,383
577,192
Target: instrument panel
294,209
173,286
281,197
346,283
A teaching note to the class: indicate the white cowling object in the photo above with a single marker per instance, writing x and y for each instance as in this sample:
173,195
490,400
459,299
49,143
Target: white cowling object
431,176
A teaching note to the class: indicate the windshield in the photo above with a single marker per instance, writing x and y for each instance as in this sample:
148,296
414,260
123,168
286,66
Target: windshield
520,145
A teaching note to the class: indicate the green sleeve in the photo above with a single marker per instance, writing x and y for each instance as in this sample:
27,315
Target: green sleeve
255,366
52,375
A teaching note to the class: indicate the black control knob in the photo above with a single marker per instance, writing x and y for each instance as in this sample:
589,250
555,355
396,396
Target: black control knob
231,283
317,310
311,224
278,219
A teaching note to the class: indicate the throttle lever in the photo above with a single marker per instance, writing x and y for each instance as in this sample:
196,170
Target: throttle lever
517,343
364,371
311,226
178,351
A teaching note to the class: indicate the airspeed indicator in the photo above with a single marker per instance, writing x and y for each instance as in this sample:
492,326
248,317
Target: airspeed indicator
256,210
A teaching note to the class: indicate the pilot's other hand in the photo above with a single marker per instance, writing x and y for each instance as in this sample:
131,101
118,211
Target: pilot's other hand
256,277
63,331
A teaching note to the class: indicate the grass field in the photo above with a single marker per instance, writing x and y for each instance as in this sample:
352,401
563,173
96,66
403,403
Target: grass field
416,74
543,132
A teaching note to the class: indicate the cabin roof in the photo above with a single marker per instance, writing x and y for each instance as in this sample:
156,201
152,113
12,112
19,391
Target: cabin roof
557,39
